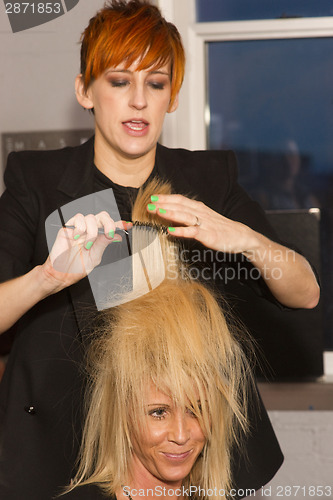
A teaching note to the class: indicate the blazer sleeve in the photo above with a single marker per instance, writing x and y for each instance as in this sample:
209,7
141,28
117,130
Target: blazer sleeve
18,219
240,207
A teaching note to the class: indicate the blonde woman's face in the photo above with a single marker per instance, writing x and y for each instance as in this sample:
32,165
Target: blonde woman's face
170,443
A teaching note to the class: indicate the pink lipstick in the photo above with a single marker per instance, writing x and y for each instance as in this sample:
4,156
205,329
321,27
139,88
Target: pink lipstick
177,457
136,128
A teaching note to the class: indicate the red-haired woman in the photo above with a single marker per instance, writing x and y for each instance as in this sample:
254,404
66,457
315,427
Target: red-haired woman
132,66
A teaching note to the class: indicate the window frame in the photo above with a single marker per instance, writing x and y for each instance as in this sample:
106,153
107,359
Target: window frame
188,126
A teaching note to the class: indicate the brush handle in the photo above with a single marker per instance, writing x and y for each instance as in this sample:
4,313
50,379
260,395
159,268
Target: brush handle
100,229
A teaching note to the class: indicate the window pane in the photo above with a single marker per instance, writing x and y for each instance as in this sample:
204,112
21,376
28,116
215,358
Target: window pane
240,10
271,101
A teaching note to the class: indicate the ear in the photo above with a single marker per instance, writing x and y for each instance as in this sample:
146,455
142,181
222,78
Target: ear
174,105
82,94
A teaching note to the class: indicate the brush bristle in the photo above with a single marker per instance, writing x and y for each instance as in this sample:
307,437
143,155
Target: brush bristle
151,225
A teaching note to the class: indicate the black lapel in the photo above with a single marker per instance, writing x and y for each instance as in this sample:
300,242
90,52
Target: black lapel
78,181
170,167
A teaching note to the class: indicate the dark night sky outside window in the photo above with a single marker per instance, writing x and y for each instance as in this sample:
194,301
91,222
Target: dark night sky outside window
271,101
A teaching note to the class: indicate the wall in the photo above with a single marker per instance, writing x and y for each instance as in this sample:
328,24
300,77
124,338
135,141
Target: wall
37,72
306,438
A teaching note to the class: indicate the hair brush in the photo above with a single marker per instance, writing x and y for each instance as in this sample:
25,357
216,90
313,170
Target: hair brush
146,225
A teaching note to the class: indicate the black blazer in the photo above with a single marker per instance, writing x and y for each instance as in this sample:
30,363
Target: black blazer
42,389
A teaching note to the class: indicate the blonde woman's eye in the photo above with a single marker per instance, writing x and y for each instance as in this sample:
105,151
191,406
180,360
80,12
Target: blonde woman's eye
158,413
192,412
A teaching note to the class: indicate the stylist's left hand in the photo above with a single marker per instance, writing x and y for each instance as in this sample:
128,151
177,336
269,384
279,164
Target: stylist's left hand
193,219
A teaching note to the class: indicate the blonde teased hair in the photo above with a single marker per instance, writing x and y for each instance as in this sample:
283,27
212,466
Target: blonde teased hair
177,337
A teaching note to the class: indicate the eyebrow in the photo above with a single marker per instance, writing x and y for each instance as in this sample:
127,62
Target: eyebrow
166,404
159,404
157,72
127,71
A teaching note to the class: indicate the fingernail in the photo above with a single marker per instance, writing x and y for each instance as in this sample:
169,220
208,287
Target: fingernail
151,207
76,237
171,229
111,233
162,211
154,198
116,241
89,245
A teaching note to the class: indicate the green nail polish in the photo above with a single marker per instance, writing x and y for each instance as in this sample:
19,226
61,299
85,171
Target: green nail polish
172,229
89,245
154,198
111,233
76,237
162,211
116,241
151,207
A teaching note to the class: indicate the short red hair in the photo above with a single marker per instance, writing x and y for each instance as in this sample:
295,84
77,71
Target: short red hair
130,31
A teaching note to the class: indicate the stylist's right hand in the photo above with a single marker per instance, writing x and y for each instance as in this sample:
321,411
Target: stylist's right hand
76,252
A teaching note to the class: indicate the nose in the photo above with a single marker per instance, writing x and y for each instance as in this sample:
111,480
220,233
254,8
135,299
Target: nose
138,98
179,430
